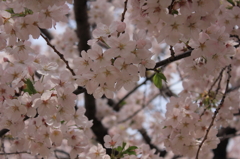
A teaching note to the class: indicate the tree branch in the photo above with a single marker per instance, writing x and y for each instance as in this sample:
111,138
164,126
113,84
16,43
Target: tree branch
216,112
79,90
172,59
117,106
14,153
224,135
83,33
59,54
140,109
124,11
152,146
3,132
46,33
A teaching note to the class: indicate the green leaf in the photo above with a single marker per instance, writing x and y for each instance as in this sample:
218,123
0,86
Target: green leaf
131,150
231,2
10,10
28,11
123,145
174,11
132,153
157,80
162,76
119,149
129,153
29,87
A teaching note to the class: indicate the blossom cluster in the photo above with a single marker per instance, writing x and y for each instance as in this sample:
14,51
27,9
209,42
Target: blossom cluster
41,112
106,71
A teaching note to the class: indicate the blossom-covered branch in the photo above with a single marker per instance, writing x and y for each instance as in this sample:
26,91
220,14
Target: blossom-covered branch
59,54
216,112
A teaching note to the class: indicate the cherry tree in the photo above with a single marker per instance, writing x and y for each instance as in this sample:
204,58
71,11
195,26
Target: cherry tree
132,79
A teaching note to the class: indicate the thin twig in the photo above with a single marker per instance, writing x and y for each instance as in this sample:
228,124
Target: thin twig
55,153
161,153
136,112
3,148
116,106
233,88
220,76
216,111
123,14
218,87
124,11
14,153
219,79
172,51
179,72
59,54
170,8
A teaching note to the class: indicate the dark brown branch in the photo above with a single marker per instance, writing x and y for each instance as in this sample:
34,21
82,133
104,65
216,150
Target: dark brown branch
3,132
3,148
224,135
170,8
59,54
216,112
172,51
79,90
14,153
99,130
83,33
179,72
46,33
124,11
158,64
218,78
117,106
233,89
166,92
172,59
227,133
147,139
140,109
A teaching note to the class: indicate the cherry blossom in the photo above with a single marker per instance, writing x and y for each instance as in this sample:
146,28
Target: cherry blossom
111,142
89,90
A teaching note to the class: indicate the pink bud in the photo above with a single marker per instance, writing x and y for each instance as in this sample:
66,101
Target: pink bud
30,71
5,59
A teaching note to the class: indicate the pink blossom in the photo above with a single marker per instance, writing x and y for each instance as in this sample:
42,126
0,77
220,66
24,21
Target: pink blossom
112,142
